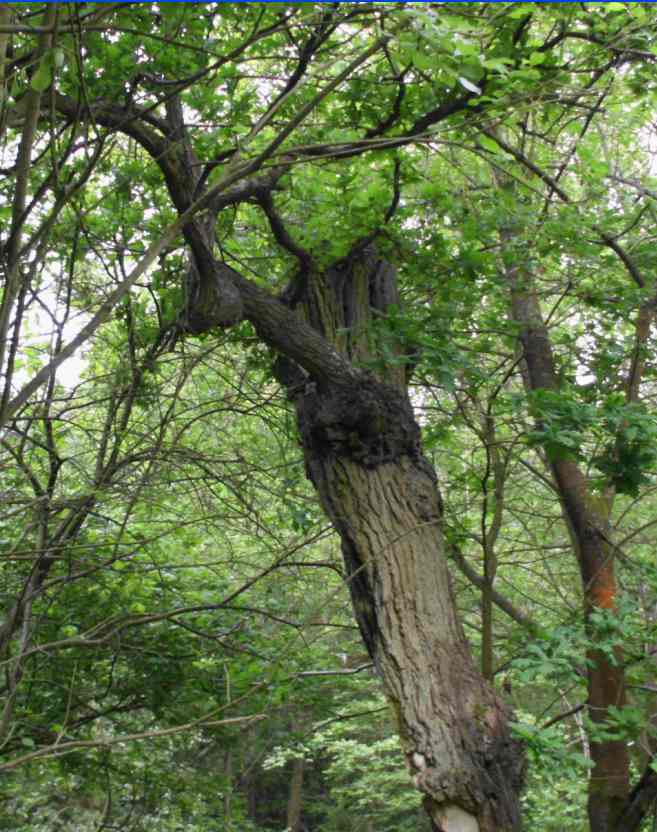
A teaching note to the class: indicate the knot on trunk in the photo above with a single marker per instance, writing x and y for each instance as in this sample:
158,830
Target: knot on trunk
369,422
214,301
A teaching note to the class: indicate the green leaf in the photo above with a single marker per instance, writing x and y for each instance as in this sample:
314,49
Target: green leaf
42,78
489,144
498,64
537,58
422,61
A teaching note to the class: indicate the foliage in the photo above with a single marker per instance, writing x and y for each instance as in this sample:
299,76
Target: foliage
168,583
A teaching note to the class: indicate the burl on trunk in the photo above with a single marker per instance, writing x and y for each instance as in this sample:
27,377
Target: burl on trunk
363,455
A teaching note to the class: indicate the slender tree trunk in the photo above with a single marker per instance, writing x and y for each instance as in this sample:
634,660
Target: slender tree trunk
295,798
495,470
487,647
587,519
362,451
228,794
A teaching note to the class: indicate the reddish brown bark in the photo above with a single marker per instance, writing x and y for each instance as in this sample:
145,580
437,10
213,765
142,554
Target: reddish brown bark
587,519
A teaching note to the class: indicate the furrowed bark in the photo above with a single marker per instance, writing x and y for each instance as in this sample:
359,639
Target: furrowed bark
363,455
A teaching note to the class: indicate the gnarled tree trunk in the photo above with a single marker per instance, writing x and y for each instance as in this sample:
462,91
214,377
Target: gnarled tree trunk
363,455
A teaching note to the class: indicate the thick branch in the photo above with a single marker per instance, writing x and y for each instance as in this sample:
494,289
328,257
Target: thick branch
282,329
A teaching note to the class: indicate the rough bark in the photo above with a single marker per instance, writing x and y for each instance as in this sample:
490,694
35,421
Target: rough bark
363,455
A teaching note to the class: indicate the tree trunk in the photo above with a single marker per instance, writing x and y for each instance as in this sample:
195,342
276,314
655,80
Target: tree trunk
587,520
362,452
495,469
228,794
294,801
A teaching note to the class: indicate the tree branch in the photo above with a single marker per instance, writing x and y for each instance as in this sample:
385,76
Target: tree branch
58,749
499,600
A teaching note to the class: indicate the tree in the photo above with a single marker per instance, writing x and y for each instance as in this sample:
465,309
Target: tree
208,141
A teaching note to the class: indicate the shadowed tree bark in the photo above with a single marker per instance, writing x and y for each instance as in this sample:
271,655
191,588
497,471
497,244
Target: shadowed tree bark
363,455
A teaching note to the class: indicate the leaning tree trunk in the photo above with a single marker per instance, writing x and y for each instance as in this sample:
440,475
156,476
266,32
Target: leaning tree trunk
362,451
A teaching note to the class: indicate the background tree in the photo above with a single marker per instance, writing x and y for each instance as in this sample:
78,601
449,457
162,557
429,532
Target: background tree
209,200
